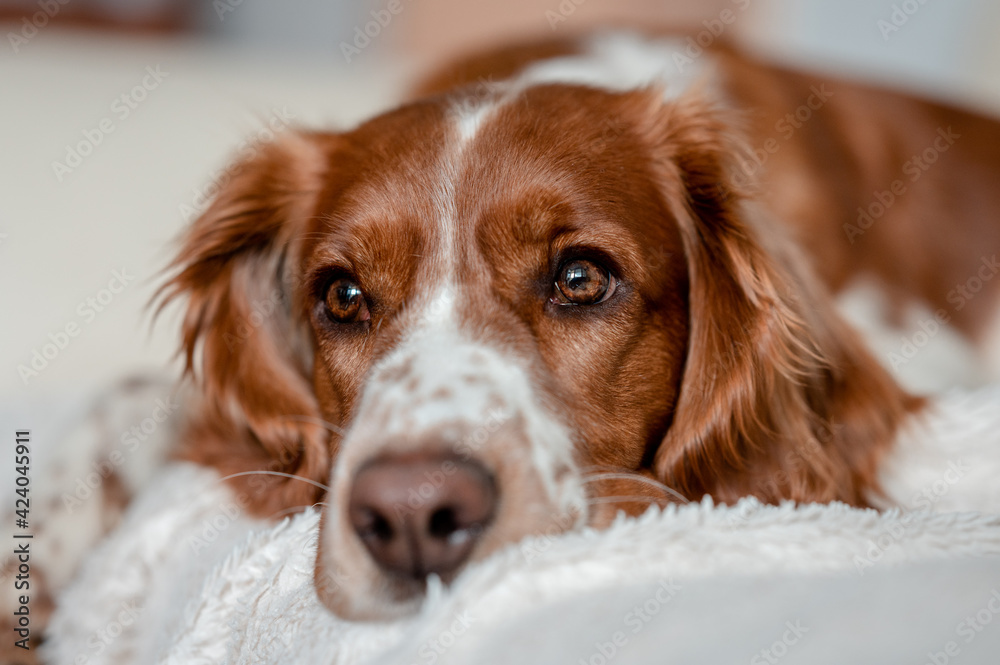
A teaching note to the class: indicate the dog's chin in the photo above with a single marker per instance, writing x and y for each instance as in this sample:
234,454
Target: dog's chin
371,594
391,598
354,588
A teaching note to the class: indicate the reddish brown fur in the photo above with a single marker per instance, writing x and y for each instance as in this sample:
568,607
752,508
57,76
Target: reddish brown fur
723,368
931,237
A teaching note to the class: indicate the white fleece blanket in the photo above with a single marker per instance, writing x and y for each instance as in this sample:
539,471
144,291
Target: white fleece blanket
187,578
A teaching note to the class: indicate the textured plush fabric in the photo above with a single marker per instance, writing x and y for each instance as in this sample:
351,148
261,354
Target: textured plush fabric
188,579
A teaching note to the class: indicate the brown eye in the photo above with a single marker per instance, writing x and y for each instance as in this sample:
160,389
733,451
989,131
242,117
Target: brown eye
345,302
583,282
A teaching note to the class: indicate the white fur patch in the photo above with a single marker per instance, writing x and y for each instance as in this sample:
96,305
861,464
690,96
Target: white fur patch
923,354
470,119
948,459
623,61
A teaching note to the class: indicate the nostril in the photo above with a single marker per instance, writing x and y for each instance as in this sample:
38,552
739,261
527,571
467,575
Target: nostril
443,523
371,525
420,514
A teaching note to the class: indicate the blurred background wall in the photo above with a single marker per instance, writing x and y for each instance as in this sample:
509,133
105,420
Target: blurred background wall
951,46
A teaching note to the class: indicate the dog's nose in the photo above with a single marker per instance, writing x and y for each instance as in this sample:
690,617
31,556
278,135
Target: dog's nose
418,514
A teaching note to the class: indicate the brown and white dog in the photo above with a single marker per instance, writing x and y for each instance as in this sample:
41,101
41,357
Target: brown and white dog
570,279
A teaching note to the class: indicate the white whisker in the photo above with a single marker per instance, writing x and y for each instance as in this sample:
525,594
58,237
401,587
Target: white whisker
289,511
325,488
622,499
589,478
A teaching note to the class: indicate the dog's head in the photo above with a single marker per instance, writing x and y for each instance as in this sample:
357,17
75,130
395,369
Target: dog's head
481,317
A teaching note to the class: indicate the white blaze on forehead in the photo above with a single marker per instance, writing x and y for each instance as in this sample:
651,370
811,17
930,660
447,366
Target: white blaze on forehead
470,118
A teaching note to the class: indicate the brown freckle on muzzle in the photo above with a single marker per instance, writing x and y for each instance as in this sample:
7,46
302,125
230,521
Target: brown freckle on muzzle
477,358
396,373
442,394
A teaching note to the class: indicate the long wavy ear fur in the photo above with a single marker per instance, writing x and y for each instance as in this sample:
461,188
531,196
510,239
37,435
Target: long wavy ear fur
242,340
779,397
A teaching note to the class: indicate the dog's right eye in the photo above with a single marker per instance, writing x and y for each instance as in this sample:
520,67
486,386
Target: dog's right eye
583,282
345,302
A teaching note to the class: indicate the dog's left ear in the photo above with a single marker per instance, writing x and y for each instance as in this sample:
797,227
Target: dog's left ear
242,337
779,396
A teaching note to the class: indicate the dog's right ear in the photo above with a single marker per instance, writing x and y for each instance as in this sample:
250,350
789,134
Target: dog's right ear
242,337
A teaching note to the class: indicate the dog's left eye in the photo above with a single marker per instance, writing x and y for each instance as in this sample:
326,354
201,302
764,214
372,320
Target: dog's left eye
345,302
583,282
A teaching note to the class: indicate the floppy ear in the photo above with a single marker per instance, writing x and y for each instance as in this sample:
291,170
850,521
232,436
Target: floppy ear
243,340
779,397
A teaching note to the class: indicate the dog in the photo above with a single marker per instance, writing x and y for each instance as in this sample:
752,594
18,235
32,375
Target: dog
565,280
